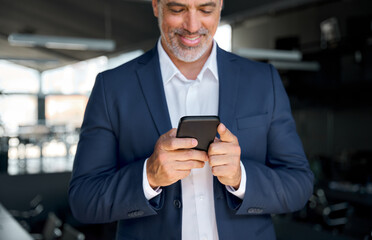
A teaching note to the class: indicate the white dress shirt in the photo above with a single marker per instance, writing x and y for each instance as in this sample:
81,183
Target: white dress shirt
184,98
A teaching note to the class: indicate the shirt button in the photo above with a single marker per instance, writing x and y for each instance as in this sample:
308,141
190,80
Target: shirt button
204,238
201,198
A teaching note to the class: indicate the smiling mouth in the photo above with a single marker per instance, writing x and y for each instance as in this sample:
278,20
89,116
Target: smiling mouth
190,41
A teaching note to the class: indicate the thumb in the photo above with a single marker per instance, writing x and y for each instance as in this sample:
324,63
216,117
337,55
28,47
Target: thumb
225,134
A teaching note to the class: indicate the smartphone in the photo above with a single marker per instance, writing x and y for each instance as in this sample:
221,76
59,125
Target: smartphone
203,128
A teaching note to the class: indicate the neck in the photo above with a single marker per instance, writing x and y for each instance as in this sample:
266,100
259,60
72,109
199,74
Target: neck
190,70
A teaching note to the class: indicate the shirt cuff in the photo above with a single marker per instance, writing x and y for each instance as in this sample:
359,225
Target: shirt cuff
241,190
147,189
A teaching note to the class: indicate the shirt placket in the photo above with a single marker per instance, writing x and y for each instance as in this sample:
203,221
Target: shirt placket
200,178
192,100
197,175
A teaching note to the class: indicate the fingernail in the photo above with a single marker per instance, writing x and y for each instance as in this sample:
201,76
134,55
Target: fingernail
194,142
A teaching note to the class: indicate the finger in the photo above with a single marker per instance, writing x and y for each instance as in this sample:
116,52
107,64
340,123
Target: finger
225,134
218,148
175,176
220,171
188,165
190,154
222,148
218,160
173,143
183,174
226,170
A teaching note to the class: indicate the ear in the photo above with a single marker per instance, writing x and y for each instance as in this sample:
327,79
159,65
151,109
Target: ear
221,6
155,7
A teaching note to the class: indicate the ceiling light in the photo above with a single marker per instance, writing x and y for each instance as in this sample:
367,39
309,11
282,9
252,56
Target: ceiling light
270,54
37,60
56,42
297,66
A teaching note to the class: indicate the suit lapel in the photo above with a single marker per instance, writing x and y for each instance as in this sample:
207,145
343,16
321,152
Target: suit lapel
152,86
228,74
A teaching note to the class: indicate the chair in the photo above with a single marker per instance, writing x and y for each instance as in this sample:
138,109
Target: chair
70,233
51,229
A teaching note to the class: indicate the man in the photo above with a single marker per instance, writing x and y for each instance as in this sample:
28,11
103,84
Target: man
130,167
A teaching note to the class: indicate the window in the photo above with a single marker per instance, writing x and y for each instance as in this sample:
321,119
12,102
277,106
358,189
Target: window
73,79
18,100
68,110
223,37
17,110
18,79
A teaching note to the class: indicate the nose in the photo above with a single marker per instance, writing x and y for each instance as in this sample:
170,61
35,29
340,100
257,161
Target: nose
192,22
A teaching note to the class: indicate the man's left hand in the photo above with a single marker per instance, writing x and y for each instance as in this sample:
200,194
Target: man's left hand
224,157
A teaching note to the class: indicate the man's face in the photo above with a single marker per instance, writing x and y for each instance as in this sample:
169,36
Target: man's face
187,26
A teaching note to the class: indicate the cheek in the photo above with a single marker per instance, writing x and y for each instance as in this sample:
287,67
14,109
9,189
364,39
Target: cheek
211,25
171,22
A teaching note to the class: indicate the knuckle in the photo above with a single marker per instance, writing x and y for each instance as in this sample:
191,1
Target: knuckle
237,149
162,156
212,148
199,164
206,157
158,145
172,144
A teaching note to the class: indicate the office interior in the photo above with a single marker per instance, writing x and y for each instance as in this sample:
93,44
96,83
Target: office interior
321,48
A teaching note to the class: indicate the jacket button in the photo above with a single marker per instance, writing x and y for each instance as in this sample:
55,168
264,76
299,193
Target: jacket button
255,210
135,213
177,203
140,213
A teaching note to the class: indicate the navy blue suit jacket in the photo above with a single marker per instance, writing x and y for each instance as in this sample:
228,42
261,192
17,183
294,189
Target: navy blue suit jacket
126,114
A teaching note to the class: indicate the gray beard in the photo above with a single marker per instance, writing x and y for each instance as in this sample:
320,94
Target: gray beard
185,54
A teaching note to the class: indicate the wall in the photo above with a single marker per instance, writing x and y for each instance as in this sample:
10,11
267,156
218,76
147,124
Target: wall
261,32
330,132
339,121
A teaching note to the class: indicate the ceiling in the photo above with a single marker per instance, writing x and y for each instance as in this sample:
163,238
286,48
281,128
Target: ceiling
129,22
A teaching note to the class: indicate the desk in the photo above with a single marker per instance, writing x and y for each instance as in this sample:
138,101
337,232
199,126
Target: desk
10,229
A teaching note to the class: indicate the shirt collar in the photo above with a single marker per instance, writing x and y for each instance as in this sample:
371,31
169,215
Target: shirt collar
169,70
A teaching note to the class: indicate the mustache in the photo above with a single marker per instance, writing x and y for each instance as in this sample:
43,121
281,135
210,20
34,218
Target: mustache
182,31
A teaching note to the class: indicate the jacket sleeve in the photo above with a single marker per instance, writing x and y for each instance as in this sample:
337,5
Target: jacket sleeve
100,191
283,182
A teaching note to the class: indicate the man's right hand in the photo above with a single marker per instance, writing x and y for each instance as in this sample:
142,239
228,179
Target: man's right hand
172,159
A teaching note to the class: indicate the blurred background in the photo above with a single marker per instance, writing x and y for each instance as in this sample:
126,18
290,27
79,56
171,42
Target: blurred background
51,51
